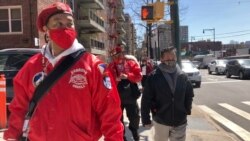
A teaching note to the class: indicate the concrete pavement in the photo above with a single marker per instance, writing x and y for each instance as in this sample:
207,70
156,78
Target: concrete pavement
200,128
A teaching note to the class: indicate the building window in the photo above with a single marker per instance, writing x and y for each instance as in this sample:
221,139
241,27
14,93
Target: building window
10,20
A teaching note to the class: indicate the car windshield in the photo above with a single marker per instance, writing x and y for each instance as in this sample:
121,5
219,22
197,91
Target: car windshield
222,62
245,62
187,65
12,62
3,59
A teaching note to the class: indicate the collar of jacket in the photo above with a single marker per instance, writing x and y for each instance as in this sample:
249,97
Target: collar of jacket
53,60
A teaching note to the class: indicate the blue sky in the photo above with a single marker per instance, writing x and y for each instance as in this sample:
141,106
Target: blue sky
230,18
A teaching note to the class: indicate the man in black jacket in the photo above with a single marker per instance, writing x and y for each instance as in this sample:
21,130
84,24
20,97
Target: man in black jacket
170,94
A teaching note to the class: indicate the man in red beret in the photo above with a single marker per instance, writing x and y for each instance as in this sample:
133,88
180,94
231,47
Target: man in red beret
127,73
82,105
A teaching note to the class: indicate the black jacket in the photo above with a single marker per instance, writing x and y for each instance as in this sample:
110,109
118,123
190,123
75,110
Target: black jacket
171,109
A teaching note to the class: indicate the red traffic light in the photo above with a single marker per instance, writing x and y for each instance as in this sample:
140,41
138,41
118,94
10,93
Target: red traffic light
147,12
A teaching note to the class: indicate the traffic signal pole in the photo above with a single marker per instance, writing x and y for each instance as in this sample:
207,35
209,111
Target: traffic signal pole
174,14
151,13
150,40
150,49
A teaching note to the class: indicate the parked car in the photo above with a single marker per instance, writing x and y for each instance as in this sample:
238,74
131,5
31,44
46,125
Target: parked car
192,72
217,66
11,61
238,67
197,64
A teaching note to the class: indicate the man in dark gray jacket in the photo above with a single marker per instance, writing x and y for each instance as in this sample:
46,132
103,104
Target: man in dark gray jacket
168,94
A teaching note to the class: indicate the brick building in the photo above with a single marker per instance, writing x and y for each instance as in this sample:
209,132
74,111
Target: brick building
17,23
98,23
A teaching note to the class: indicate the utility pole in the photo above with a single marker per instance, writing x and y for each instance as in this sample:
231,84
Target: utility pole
150,49
175,28
211,29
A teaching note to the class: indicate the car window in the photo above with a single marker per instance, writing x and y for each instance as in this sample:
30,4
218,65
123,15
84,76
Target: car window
3,59
222,62
14,62
186,65
244,62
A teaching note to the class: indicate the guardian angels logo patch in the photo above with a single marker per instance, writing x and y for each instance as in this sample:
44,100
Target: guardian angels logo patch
38,78
78,78
106,79
107,82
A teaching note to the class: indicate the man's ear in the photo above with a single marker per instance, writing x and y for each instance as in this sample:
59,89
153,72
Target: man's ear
45,28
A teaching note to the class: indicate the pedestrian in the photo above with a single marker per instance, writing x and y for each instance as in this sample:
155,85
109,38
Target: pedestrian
127,72
169,92
82,105
146,68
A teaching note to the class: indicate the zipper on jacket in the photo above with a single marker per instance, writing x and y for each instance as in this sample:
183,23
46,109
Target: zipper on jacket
173,109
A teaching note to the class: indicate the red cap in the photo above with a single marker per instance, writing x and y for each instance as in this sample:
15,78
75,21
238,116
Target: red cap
51,10
116,50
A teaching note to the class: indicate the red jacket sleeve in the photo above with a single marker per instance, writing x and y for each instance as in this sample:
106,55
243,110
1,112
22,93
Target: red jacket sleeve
135,74
106,102
18,107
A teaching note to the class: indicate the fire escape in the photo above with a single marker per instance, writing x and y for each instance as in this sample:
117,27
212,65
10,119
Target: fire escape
112,22
115,21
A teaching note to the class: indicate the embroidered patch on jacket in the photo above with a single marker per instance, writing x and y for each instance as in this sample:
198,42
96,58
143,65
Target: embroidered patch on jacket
78,78
102,68
107,82
38,78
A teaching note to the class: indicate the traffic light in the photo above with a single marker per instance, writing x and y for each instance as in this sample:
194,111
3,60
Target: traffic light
159,10
147,12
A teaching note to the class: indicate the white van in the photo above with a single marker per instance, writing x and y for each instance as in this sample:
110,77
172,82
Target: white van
204,59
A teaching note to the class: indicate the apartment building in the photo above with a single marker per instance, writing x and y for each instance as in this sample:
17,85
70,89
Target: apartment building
130,36
18,23
98,23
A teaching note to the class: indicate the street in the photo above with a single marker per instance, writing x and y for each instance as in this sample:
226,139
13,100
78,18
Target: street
227,101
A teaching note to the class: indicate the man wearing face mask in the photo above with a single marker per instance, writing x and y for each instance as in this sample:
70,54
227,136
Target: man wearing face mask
82,105
170,93
127,72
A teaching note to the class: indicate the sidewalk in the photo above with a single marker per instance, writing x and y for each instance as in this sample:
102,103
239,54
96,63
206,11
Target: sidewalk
200,128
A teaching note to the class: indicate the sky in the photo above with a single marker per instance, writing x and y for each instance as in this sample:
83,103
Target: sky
230,19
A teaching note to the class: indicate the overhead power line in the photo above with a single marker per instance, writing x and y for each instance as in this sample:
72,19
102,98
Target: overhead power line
233,35
227,33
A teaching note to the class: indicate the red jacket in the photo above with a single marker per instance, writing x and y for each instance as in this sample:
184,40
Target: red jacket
79,107
129,66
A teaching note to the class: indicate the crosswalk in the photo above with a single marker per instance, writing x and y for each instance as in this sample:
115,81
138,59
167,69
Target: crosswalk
231,125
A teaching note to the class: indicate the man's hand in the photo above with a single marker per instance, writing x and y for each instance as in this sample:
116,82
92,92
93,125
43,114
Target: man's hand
118,79
11,140
124,76
148,126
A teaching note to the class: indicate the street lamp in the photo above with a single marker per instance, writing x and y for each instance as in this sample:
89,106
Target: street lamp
192,45
211,29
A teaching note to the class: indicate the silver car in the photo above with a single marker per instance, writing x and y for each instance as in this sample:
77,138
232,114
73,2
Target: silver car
192,72
217,66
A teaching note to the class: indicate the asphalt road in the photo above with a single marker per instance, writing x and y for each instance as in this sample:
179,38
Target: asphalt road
226,100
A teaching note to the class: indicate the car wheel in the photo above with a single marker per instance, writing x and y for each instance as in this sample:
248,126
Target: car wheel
198,84
228,75
209,71
241,75
217,71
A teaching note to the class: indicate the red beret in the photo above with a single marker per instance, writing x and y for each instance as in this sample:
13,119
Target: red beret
116,50
51,10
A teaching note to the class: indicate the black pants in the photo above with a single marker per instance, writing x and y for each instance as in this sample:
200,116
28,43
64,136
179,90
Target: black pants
132,111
